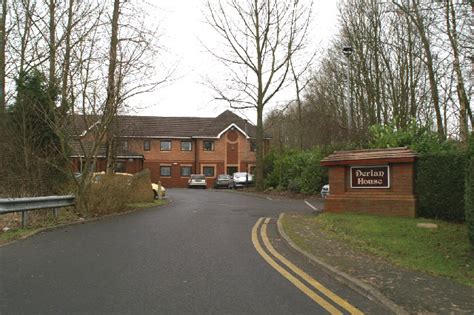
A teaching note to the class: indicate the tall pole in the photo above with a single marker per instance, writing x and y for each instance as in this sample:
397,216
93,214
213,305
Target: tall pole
347,51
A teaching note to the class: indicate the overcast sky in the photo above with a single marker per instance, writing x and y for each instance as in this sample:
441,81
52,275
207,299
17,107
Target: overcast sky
183,28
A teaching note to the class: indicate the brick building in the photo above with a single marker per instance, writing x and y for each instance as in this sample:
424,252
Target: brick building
173,148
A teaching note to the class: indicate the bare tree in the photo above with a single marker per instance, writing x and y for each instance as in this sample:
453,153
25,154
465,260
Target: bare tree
3,41
413,11
261,37
451,29
111,101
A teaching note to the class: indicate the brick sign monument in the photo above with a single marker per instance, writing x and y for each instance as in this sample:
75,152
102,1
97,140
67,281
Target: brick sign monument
379,181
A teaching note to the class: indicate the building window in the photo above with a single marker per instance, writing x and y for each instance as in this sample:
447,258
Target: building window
208,171
165,145
146,145
186,146
125,144
186,171
208,145
165,171
253,146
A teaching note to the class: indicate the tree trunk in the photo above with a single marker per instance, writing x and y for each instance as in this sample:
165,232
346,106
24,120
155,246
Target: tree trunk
52,46
431,72
462,95
67,60
110,103
3,43
260,148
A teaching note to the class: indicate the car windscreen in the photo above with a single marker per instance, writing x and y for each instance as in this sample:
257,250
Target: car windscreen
197,177
224,177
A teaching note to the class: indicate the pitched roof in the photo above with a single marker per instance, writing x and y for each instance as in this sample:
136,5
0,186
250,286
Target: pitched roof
76,150
154,126
224,120
401,154
175,127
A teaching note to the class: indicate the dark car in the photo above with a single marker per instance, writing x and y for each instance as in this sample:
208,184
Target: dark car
224,181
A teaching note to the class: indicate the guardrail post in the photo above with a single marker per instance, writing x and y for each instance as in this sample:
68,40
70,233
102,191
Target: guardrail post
24,219
55,212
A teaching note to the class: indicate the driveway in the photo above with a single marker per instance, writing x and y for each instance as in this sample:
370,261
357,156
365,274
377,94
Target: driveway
193,256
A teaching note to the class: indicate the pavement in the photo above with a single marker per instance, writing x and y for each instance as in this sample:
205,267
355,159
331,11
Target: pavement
208,252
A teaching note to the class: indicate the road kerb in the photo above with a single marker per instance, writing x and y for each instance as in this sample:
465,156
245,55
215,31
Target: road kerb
354,283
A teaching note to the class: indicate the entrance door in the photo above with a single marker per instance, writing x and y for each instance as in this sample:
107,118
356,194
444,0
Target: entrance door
232,169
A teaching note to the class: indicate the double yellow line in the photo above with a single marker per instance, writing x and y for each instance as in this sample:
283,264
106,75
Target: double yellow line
312,294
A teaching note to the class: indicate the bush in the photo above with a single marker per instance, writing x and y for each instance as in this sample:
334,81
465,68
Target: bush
297,171
469,198
419,138
440,185
114,192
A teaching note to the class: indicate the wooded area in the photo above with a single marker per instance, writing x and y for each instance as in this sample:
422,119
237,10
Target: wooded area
394,63
63,60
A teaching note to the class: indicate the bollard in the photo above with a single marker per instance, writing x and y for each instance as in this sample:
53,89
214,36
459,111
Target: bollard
160,194
24,219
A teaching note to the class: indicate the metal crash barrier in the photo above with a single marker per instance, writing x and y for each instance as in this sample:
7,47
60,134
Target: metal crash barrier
23,205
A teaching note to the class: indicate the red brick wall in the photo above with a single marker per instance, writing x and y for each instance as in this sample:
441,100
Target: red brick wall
231,149
132,166
397,200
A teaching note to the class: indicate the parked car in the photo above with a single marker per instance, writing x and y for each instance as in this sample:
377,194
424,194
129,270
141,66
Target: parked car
224,181
197,180
325,191
242,179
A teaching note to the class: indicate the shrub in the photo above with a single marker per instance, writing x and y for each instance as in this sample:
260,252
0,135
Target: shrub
297,171
440,185
419,138
113,192
469,197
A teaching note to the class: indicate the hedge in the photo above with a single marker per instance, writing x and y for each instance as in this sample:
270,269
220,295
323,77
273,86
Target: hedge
440,183
469,198
296,171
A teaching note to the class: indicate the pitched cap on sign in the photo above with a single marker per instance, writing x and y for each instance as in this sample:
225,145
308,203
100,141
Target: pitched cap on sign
370,156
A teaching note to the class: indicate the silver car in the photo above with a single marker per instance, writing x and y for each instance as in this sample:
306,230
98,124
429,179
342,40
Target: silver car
197,180
243,179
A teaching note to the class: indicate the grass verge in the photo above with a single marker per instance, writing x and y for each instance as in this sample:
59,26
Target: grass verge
444,251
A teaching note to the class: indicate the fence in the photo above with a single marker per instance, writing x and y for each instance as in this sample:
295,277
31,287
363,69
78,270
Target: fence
24,205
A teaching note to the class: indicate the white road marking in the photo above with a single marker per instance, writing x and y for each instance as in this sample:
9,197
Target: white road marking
311,206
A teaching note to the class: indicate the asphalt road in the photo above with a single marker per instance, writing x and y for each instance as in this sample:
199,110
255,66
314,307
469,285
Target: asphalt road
193,256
